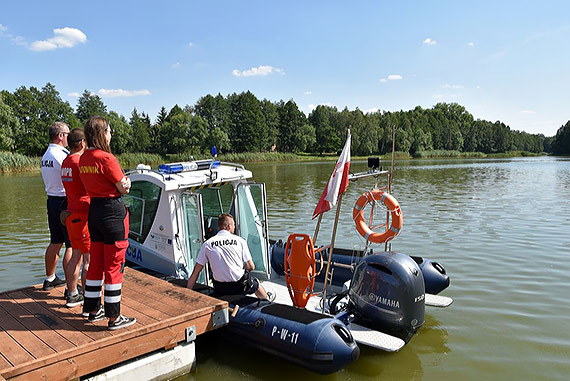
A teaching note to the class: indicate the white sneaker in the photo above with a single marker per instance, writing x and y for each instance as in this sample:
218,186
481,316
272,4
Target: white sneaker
121,322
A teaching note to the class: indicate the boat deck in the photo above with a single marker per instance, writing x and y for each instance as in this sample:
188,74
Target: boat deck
40,338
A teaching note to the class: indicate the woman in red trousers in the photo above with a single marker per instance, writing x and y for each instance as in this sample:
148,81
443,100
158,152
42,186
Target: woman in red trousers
108,224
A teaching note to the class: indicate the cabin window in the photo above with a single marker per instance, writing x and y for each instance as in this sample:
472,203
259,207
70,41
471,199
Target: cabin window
142,202
215,201
251,222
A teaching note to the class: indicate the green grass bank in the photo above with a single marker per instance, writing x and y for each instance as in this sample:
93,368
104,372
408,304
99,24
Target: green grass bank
13,162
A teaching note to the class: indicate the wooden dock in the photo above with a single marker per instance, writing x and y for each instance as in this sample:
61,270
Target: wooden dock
40,338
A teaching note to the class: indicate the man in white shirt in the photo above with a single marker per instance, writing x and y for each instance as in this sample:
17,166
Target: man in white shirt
230,261
56,202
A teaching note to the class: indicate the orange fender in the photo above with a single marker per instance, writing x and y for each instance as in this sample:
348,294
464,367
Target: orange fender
393,207
300,268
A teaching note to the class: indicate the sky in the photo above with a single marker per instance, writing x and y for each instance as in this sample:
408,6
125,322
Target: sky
505,61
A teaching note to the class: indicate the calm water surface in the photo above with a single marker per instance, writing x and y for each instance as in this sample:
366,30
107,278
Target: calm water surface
500,227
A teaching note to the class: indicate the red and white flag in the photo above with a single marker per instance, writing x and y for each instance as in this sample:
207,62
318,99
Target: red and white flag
337,183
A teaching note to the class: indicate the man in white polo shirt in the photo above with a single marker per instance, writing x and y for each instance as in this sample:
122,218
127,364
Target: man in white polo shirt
56,202
230,261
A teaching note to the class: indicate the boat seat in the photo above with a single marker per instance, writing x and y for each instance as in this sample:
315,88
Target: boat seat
210,226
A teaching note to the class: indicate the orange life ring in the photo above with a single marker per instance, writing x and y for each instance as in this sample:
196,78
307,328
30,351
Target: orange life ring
393,207
300,268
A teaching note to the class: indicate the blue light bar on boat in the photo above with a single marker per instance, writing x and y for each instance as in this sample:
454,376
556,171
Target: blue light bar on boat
178,167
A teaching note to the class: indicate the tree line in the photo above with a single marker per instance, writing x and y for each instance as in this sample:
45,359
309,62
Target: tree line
243,123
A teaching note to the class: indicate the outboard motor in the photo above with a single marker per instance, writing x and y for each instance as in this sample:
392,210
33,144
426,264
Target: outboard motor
387,291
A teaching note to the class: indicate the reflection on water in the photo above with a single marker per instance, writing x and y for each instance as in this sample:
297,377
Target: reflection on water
500,227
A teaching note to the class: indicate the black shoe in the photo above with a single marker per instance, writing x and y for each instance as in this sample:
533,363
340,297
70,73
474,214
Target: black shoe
54,283
66,292
121,322
73,301
100,314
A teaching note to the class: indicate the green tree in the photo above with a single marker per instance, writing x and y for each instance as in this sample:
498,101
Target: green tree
123,136
292,121
326,138
248,130
8,124
175,131
561,141
89,105
140,126
36,110
271,115
217,137
215,111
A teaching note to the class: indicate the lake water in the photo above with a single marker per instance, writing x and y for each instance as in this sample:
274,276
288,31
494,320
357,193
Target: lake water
500,227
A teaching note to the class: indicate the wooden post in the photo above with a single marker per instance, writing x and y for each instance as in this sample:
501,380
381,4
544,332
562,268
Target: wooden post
331,250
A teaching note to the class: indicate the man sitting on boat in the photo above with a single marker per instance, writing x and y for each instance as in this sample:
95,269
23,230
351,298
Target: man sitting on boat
230,261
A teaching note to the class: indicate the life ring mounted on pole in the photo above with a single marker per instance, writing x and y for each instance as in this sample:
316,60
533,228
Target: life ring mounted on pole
397,219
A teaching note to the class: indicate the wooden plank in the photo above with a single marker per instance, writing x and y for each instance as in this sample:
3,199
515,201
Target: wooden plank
125,349
201,321
74,320
40,329
163,313
142,308
171,295
44,313
102,324
30,342
12,351
4,364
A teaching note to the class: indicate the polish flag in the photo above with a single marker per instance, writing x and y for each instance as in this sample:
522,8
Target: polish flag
337,183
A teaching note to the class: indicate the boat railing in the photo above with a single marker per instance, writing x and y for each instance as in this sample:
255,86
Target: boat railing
141,168
370,173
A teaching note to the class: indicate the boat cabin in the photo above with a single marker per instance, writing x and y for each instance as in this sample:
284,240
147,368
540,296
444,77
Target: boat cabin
174,209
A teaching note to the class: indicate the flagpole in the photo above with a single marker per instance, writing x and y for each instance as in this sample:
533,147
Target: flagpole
331,250
317,228
390,179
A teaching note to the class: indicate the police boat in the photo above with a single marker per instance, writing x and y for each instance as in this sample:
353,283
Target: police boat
174,209
379,302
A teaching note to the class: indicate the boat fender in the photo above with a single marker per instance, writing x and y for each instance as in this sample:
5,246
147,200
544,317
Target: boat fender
393,207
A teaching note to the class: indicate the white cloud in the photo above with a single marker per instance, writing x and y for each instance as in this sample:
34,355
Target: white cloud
176,65
429,41
394,77
190,44
453,86
445,96
3,29
371,110
114,93
311,106
383,80
528,112
63,38
75,94
19,40
262,70
308,92
470,44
